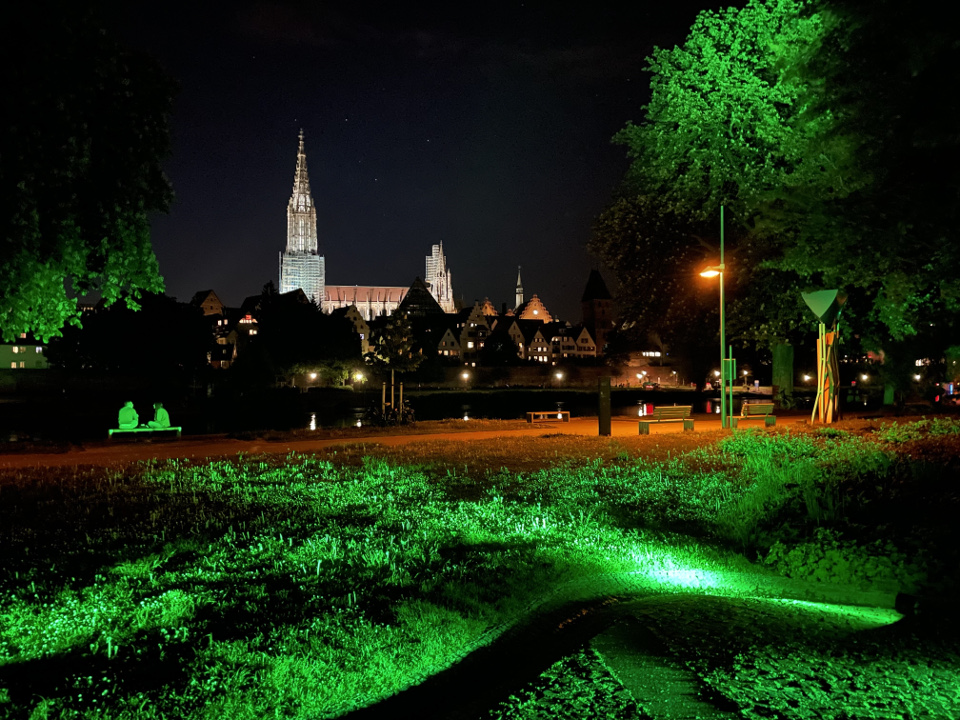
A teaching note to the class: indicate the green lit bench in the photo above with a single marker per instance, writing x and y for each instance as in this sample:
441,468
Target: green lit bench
754,411
549,416
667,413
133,431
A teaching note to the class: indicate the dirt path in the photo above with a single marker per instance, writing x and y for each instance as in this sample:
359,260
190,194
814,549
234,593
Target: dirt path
199,447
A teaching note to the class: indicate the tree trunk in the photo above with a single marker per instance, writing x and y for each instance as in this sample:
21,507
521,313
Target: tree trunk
783,374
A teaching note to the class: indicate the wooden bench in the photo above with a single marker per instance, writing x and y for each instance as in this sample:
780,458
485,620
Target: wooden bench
755,410
668,413
549,416
149,430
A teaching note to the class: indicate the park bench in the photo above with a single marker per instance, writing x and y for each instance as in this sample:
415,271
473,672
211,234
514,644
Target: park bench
755,410
549,416
667,413
139,430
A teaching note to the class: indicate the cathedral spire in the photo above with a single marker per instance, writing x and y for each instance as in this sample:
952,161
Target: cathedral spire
301,180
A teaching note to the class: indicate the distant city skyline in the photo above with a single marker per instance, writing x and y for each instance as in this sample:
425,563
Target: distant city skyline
487,130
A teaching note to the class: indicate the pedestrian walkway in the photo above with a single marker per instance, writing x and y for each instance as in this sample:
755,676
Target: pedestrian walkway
206,446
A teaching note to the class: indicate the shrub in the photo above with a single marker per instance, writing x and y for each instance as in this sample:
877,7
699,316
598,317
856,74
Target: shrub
829,558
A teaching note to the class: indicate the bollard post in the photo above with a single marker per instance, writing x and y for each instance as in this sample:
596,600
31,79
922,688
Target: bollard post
604,407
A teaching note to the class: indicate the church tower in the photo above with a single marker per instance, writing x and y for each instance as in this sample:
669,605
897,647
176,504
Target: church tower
439,279
519,289
301,265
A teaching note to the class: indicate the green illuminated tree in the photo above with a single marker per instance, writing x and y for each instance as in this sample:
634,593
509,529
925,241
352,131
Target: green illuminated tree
883,85
725,123
85,126
826,131
725,126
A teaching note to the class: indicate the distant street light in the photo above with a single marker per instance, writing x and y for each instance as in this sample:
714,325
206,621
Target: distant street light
313,376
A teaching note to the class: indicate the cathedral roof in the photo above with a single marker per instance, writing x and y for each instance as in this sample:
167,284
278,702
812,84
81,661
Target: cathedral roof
359,294
418,301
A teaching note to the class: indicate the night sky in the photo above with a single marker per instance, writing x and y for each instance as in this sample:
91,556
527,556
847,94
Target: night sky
485,126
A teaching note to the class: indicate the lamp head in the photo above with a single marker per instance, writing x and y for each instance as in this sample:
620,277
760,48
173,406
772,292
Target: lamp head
713,270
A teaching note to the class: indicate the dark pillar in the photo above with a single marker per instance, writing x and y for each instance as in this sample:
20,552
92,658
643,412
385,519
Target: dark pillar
604,408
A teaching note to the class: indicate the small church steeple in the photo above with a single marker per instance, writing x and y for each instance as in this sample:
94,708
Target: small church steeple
519,289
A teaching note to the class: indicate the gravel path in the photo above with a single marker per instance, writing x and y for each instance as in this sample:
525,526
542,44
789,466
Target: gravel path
579,612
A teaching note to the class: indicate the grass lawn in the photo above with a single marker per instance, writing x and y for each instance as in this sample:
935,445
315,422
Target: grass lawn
311,586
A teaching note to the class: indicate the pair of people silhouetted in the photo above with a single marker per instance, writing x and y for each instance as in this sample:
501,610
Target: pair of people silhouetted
128,418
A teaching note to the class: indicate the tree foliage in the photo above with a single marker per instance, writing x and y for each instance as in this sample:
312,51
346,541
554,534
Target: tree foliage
85,126
393,346
826,130
164,339
882,82
724,124
297,337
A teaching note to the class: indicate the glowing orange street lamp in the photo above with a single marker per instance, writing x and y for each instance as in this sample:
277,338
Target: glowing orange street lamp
726,409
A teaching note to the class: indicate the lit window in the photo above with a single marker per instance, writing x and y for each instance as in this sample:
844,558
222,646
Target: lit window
470,344
39,350
13,365
15,349
22,363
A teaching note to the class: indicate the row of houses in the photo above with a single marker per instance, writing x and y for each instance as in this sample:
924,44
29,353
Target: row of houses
468,336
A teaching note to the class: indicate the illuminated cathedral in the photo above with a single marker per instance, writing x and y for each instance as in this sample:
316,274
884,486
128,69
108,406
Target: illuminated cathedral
303,267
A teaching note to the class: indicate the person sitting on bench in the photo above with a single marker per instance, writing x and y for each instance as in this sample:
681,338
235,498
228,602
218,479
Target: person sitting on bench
127,419
161,418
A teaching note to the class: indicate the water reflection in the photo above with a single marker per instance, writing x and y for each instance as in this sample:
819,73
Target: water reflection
313,422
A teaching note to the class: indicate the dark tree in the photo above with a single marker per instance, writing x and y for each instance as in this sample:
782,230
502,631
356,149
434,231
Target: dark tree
393,346
164,339
299,338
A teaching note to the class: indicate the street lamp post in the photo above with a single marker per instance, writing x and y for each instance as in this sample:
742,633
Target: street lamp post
726,409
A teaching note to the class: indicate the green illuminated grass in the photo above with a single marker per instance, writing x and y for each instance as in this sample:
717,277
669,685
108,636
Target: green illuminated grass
305,587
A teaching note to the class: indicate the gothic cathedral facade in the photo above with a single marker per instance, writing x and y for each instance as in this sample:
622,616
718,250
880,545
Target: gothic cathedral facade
302,266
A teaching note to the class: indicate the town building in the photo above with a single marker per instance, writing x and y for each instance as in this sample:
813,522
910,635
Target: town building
24,353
